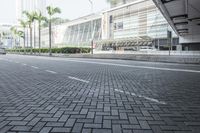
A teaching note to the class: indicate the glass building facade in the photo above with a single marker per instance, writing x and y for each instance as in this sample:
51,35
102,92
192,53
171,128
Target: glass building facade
137,19
130,23
83,33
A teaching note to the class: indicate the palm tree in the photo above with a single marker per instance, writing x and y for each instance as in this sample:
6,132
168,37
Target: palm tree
113,2
30,19
20,34
24,24
14,34
51,12
39,17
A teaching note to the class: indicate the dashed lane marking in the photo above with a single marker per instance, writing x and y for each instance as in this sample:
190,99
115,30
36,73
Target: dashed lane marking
49,71
82,80
141,96
35,67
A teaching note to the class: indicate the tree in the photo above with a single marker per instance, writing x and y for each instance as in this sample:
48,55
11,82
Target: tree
39,17
55,21
30,19
24,25
20,34
113,2
51,12
14,34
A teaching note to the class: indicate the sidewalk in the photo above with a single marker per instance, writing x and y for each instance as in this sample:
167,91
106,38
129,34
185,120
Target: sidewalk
183,59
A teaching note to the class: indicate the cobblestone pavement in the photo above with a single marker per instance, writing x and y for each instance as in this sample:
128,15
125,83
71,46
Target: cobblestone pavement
57,95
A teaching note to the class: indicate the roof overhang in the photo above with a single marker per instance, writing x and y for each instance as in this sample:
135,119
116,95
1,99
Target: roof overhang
182,15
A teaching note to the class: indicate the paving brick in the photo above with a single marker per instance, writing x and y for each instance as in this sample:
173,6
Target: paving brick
34,121
70,122
107,124
18,123
21,128
60,130
84,111
133,120
90,114
144,125
77,127
45,130
116,99
30,117
116,129
58,114
54,124
92,125
98,119
49,119
63,118
123,116
5,129
102,131
86,130
38,126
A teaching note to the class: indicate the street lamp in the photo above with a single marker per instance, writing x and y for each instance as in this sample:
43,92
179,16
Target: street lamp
91,27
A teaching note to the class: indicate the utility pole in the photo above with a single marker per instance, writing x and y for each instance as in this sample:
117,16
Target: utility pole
91,27
169,40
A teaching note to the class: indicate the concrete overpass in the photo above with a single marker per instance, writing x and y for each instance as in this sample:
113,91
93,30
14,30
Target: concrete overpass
184,18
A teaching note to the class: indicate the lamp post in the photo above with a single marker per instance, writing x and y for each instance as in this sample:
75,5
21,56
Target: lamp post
91,27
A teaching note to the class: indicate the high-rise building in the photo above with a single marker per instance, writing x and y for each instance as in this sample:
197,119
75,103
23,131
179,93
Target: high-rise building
120,2
29,5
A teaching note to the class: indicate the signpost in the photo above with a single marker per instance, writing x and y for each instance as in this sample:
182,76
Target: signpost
169,40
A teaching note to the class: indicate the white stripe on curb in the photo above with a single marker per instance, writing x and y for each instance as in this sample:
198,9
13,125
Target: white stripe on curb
133,66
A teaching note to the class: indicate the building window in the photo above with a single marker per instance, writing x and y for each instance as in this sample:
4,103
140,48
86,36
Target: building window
120,26
115,26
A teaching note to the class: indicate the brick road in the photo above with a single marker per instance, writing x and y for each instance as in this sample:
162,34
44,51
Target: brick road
58,95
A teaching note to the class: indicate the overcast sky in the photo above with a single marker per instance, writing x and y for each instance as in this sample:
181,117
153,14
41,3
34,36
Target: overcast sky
71,9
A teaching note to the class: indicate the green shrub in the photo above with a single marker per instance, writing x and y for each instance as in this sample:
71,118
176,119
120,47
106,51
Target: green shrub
64,50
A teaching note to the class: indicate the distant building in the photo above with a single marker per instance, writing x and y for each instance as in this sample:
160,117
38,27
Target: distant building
6,39
128,25
120,2
78,32
134,23
29,5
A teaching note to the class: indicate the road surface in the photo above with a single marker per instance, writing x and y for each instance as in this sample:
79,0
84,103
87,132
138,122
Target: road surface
51,94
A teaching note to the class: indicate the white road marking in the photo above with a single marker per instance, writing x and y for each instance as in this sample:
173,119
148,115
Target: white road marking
35,67
153,100
133,66
51,71
119,90
85,81
16,62
24,64
133,94
141,96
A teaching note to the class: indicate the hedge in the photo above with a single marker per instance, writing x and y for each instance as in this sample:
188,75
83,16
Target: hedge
64,50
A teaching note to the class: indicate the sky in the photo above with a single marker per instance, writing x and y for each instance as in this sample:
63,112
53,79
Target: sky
71,9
